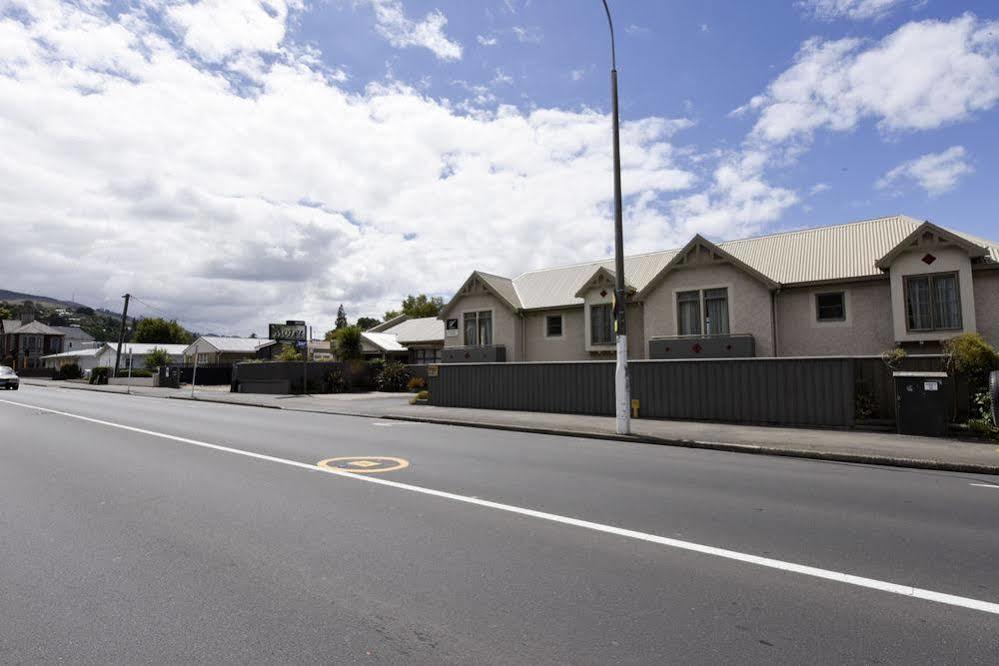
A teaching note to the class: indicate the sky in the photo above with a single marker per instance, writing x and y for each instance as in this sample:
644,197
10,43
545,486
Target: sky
239,162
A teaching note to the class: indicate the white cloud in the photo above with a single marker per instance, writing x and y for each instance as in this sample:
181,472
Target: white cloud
704,27
527,34
856,10
217,29
819,188
577,74
486,41
501,78
924,75
401,32
128,164
935,172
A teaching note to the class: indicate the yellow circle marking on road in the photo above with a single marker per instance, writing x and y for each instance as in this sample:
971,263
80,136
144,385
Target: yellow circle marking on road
365,464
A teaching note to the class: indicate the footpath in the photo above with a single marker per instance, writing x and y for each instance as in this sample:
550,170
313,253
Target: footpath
855,446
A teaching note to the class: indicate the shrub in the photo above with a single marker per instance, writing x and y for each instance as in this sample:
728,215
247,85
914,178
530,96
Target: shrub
100,375
136,372
393,377
157,358
864,404
347,343
422,396
416,384
69,371
970,355
893,358
336,382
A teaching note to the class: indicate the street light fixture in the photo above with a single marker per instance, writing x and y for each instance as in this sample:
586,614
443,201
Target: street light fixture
622,388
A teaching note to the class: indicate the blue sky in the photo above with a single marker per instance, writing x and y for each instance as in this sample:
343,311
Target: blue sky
235,162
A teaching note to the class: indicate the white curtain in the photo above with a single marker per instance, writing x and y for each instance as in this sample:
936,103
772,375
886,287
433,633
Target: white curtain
716,308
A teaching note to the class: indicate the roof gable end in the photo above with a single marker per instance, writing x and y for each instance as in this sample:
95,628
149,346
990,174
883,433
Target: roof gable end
928,235
500,287
699,251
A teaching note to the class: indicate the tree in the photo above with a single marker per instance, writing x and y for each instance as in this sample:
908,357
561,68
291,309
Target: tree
420,305
288,353
157,358
367,322
341,319
347,343
158,330
5,311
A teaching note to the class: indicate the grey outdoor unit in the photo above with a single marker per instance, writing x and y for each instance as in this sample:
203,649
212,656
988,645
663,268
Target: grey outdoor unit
478,354
702,346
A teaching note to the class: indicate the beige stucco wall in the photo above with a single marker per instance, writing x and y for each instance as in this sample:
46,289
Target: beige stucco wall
506,325
867,328
748,303
986,284
569,347
948,260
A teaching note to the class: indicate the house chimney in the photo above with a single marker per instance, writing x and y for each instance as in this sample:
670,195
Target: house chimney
27,316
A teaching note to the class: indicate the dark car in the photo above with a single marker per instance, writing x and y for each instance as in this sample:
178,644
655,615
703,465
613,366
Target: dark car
8,378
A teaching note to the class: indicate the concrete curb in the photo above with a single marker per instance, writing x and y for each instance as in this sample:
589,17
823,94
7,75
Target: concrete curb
759,449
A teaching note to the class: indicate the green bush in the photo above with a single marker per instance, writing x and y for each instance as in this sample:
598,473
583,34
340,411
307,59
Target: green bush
347,343
416,384
157,358
970,355
288,353
393,377
100,375
136,372
336,382
69,371
893,358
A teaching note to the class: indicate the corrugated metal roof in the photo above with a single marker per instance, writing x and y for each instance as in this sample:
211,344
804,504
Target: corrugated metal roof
235,345
384,341
841,252
79,353
143,348
421,329
503,286
33,328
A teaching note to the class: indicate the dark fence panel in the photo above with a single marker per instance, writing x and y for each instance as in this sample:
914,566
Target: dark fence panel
46,373
418,370
208,374
357,375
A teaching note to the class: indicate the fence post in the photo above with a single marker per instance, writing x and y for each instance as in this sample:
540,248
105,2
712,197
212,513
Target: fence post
194,375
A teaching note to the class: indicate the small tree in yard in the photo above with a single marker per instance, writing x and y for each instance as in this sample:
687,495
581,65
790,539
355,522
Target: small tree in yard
393,377
157,358
341,319
347,343
288,353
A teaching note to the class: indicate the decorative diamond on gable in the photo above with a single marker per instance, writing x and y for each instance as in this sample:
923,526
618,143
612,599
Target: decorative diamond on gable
697,348
929,259
603,293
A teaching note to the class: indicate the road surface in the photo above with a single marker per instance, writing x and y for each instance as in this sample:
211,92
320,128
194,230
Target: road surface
138,530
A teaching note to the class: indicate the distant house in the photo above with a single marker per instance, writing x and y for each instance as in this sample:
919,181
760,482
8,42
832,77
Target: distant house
217,350
24,342
410,340
75,338
849,289
136,353
86,359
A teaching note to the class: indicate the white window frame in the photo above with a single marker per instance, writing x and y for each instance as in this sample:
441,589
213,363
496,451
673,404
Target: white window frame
544,327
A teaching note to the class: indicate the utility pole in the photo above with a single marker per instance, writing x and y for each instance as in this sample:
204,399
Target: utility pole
121,335
622,388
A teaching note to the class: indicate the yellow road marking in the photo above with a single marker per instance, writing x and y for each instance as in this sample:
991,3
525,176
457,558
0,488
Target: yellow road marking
368,464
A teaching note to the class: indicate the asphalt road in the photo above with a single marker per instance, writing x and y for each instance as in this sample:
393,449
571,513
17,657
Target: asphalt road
123,546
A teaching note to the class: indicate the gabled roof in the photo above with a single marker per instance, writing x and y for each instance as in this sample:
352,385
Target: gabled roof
841,252
973,249
77,353
143,348
499,286
418,329
32,328
74,332
699,240
601,271
383,341
232,345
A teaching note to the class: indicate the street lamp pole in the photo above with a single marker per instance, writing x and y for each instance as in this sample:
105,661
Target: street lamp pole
622,388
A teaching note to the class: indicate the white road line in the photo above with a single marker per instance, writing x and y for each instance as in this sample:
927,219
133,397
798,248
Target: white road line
984,485
780,565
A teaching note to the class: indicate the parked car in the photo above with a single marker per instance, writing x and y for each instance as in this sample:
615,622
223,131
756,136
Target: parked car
9,378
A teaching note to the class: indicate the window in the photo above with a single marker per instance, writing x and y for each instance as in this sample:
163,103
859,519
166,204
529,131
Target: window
425,356
601,324
932,302
716,311
831,306
688,313
712,302
478,328
553,326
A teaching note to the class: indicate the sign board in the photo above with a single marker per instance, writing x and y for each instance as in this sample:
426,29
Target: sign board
931,386
287,332
433,370
451,328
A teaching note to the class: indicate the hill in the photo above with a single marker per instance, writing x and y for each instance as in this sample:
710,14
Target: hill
102,324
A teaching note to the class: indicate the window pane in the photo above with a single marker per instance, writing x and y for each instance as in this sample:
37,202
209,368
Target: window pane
831,307
688,316
553,326
946,305
485,328
917,303
601,325
471,337
716,309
